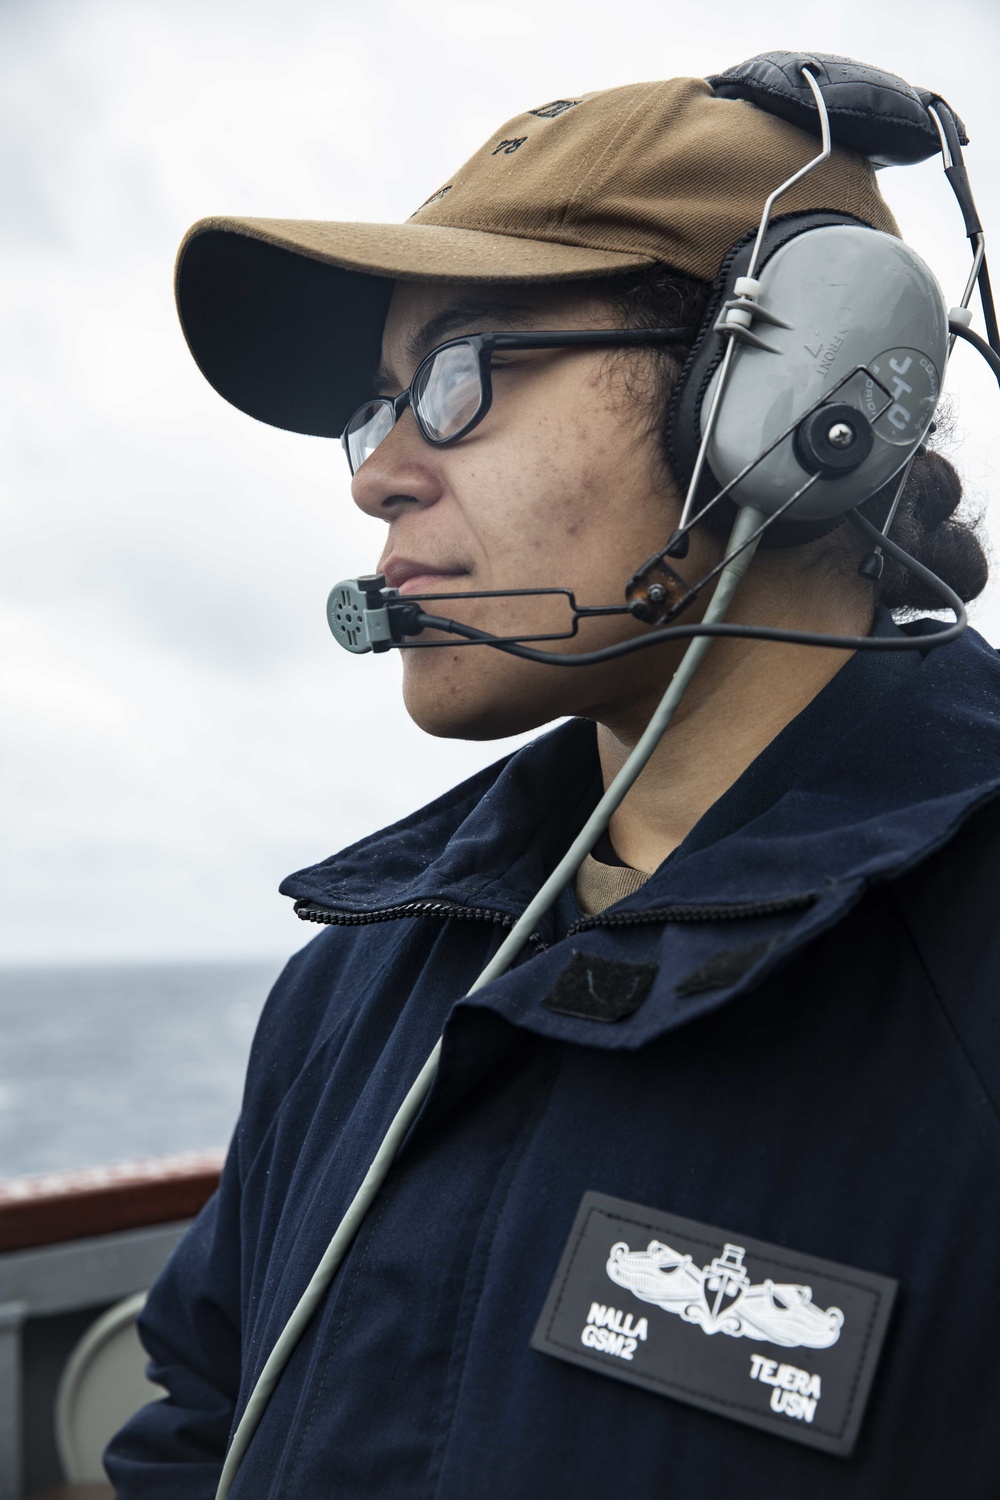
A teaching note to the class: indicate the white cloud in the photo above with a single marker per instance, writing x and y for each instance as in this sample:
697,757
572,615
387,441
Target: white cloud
40,681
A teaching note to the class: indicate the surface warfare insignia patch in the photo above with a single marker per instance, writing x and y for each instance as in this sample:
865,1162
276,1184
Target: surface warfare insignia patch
763,1335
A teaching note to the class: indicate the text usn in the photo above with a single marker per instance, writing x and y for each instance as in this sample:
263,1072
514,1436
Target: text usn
795,1392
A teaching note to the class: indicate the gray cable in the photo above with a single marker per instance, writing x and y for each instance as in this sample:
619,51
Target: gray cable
747,521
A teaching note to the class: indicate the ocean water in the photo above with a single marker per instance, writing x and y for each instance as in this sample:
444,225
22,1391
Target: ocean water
105,1063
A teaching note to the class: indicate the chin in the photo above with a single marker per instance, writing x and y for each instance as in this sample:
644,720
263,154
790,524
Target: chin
487,722
476,705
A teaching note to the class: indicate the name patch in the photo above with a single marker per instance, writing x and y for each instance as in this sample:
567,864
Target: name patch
757,1333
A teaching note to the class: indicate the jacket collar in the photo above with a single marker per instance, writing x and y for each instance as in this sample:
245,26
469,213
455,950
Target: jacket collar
894,787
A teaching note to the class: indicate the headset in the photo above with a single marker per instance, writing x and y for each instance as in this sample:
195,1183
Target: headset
781,436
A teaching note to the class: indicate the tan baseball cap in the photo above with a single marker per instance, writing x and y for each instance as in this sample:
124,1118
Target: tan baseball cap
284,316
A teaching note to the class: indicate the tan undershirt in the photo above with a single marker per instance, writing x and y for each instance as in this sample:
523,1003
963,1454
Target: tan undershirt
599,886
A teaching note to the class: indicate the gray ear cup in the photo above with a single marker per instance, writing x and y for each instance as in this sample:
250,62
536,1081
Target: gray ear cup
854,366
683,422
850,296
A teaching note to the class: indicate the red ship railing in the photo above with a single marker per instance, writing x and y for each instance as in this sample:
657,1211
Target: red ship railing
58,1206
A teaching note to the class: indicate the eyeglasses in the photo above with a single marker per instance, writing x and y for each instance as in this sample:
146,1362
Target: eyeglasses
452,389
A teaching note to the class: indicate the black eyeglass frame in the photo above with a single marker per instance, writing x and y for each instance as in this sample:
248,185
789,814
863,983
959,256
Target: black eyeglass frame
485,344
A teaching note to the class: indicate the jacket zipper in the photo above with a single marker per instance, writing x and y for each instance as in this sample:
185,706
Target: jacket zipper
311,911
734,911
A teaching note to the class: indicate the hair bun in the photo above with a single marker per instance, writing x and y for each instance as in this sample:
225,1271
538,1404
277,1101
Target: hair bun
937,489
929,525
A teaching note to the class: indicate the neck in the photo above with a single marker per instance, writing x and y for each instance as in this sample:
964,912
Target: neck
744,694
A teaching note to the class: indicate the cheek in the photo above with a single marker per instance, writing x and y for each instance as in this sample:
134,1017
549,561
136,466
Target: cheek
557,488
580,460
608,486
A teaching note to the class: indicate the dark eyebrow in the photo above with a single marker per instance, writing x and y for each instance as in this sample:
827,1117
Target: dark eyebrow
467,316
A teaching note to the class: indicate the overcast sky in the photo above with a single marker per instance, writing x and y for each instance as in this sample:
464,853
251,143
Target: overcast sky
178,728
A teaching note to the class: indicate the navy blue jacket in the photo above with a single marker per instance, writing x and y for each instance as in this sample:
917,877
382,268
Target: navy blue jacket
816,1064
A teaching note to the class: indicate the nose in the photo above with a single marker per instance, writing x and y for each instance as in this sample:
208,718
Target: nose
403,472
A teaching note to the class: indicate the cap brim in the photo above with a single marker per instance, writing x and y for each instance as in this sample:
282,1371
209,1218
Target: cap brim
284,316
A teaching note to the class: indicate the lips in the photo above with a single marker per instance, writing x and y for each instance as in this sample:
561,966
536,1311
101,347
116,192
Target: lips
411,577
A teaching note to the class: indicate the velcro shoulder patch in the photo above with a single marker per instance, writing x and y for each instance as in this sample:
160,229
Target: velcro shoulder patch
725,968
642,1296
600,989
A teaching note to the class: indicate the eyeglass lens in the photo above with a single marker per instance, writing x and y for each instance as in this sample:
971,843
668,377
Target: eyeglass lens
366,429
446,395
447,391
